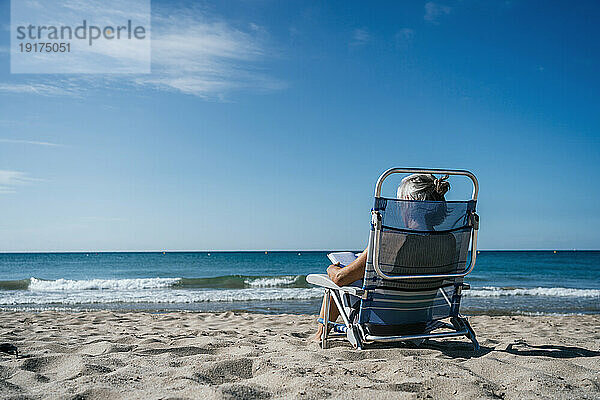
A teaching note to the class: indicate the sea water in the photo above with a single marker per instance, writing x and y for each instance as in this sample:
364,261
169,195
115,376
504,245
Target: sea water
503,282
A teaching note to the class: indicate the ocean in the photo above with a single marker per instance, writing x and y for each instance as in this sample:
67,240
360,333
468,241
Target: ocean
503,282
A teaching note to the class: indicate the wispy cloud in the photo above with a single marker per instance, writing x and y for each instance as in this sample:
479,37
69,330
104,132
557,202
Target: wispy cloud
207,57
32,142
360,37
404,37
43,89
193,52
434,11
105,56
9,179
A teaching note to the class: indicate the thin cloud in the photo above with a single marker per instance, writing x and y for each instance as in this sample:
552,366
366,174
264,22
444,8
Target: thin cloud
32,142
9,179
207,57
360,37
434,11
42,89
105,56
192,53
404,37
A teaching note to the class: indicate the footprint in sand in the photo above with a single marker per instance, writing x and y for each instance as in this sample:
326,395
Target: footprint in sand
177,351
59,367
243,392
225,371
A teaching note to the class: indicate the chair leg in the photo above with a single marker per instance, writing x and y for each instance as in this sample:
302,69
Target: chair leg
471,335
326,319
353,337
461,322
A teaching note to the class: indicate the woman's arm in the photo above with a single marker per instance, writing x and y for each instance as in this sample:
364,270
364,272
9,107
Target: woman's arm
354,271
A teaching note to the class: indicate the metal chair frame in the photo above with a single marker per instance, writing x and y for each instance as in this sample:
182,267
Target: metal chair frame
354,332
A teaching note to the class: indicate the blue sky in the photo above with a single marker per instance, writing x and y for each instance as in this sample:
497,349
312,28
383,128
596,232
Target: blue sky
265,124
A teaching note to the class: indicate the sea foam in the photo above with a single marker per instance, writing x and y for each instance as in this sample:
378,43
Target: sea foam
100,284
276,281
154,296
492,291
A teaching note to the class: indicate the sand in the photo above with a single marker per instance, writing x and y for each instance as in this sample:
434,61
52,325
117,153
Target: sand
112,355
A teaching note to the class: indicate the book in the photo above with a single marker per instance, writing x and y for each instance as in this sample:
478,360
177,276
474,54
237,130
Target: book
343,257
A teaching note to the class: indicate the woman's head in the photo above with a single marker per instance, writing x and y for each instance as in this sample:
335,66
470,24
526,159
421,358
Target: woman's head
423,187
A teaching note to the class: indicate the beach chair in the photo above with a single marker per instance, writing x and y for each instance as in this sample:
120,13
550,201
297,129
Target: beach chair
417,257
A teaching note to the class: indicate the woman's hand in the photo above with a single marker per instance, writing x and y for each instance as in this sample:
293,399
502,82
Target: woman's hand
352,272
333,270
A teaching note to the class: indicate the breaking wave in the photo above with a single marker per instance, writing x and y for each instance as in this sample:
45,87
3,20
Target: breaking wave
156,290
220,282
156,296
230,288
492,291
100,284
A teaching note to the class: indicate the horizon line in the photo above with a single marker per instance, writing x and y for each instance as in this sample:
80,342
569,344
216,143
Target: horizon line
240,251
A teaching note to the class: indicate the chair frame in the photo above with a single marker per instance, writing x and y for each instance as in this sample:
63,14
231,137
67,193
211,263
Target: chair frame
354,332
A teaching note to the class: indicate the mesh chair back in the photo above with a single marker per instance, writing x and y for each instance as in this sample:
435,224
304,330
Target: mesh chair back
417,238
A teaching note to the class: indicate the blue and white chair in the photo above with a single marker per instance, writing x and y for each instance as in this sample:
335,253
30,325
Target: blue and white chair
417,257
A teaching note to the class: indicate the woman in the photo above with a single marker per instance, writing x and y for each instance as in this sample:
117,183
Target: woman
413,187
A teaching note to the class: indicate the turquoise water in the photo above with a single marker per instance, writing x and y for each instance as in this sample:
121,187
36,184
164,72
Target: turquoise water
504,282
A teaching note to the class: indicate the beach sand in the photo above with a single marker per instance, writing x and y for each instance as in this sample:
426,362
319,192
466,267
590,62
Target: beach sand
112,355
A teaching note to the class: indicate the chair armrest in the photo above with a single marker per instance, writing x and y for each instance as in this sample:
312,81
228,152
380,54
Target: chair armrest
323,280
